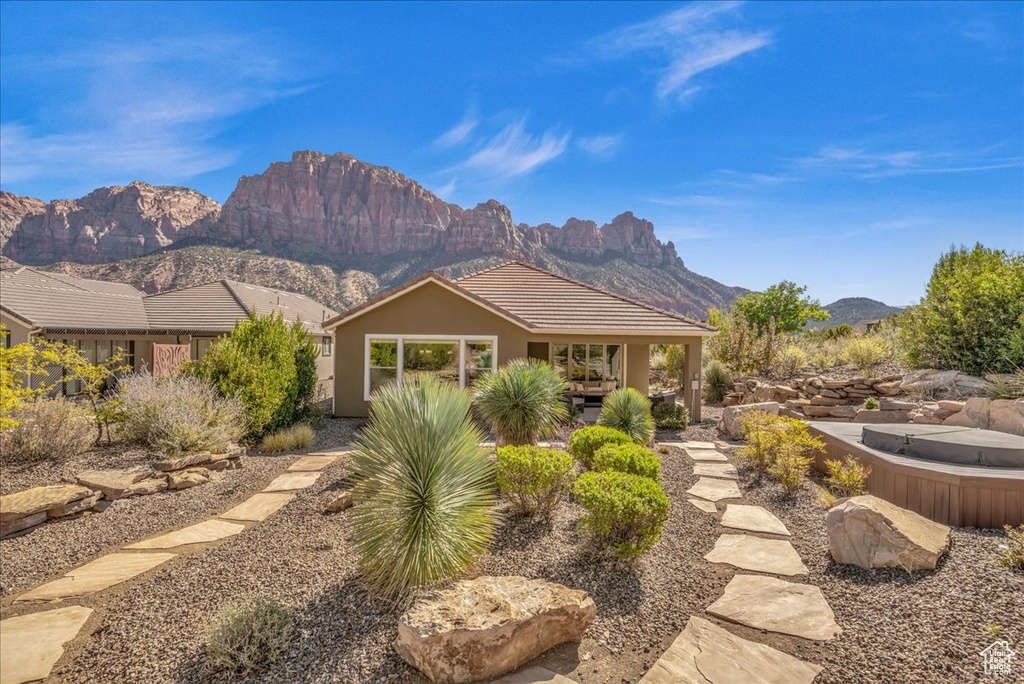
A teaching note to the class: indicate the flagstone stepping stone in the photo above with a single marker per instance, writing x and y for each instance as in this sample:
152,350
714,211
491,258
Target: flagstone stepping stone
98,575
706,455
705,506
707,654
312,463
725,471
259,507
336,451
289,481
698,445
776,605
752,519
714,489
31,644
534,675
200,533
775,556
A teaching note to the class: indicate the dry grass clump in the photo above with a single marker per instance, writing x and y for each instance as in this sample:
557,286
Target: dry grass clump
48,429
248,635
865,352
1011,554
298,436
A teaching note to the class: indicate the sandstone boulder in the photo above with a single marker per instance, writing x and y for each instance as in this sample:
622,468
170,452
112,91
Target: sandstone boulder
1007,415
39,499
869,416
975,414
730,423
872,533
488,626
182,462
949,383
115,481
188,478
146,487
340,502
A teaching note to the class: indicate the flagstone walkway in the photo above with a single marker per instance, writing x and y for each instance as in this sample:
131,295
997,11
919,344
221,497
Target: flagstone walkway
31,644
705,653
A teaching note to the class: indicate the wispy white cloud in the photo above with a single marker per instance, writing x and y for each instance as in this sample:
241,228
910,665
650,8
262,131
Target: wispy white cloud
601,146
445,191
460,132
515,152
697,201
694,39
150,111
865,162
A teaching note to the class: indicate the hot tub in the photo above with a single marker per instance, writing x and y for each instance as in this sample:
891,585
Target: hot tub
947,443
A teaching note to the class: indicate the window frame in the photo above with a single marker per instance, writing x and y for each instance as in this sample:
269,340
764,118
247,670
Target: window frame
326,345
399,341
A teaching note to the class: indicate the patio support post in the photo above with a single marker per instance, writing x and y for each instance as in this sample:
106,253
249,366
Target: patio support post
692,398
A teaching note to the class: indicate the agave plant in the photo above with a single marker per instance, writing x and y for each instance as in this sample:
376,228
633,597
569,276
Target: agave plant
627,410
424,487
523,401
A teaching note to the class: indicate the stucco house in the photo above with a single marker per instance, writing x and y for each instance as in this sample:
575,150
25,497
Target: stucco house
98,316
461,328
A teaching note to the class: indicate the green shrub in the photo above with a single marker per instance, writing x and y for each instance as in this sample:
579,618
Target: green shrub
717,381
298,436
625,513
790,469
1011,554
871,404
671,416
423,485
865,352
627,410
268,365
675,364
48,429
782,306
523,401
248,635
178,414
789,361
740,345
761,434
971,318
585,441
779,445
848,477
533,479
628,458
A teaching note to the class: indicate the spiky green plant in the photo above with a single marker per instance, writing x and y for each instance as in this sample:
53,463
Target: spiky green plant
717,381
523,401
424,487
627,410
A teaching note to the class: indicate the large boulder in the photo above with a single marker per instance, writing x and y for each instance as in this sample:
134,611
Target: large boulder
488,626
730,423
114,482
873,533
1007,415
975,414
31,507
929,381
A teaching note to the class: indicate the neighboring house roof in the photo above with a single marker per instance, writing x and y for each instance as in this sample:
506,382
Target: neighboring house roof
217,306
539,300
54,301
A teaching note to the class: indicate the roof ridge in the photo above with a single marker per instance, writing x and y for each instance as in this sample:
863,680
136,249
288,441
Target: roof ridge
594,288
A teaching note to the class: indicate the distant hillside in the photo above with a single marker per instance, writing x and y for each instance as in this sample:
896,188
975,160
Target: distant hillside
853,310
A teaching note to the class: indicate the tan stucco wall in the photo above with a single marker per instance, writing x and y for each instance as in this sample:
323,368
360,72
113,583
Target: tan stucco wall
435,310
19,331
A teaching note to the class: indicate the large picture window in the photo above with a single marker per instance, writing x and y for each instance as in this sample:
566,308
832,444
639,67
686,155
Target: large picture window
456,360
588,362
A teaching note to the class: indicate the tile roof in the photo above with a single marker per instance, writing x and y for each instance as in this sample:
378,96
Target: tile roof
549,301
539,300
56,301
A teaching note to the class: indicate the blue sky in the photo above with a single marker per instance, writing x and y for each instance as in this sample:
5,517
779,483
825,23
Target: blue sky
844,146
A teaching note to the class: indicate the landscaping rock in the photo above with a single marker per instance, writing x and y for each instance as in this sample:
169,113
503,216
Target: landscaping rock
33,643
22,524
843,411
23,504
340,502
114,482
183,462
872,533
259,507
929,381
75,507
818,411
752,519
488,626
975,414
1007,415
100,574
776,605
776,556
869,416
951,405
887,389
730,423
153,485
887,404
714,489
188,478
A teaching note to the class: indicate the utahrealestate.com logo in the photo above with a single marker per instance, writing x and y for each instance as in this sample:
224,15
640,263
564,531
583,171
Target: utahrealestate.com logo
998,658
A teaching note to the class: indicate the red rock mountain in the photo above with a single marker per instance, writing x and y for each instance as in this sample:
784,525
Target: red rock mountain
369,226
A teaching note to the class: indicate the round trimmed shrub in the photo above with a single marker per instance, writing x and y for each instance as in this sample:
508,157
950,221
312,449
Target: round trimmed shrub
533,479
669,415
627,410
585,441
634,459
625,513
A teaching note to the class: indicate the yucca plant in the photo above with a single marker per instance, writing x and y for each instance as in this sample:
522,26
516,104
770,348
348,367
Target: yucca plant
627,410
523,401
717,381
424,487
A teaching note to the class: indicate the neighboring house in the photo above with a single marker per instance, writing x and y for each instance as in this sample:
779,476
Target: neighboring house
99,317
459,329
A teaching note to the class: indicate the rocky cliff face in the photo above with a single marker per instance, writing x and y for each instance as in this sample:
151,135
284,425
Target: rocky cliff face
339,206
109,224
14,209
